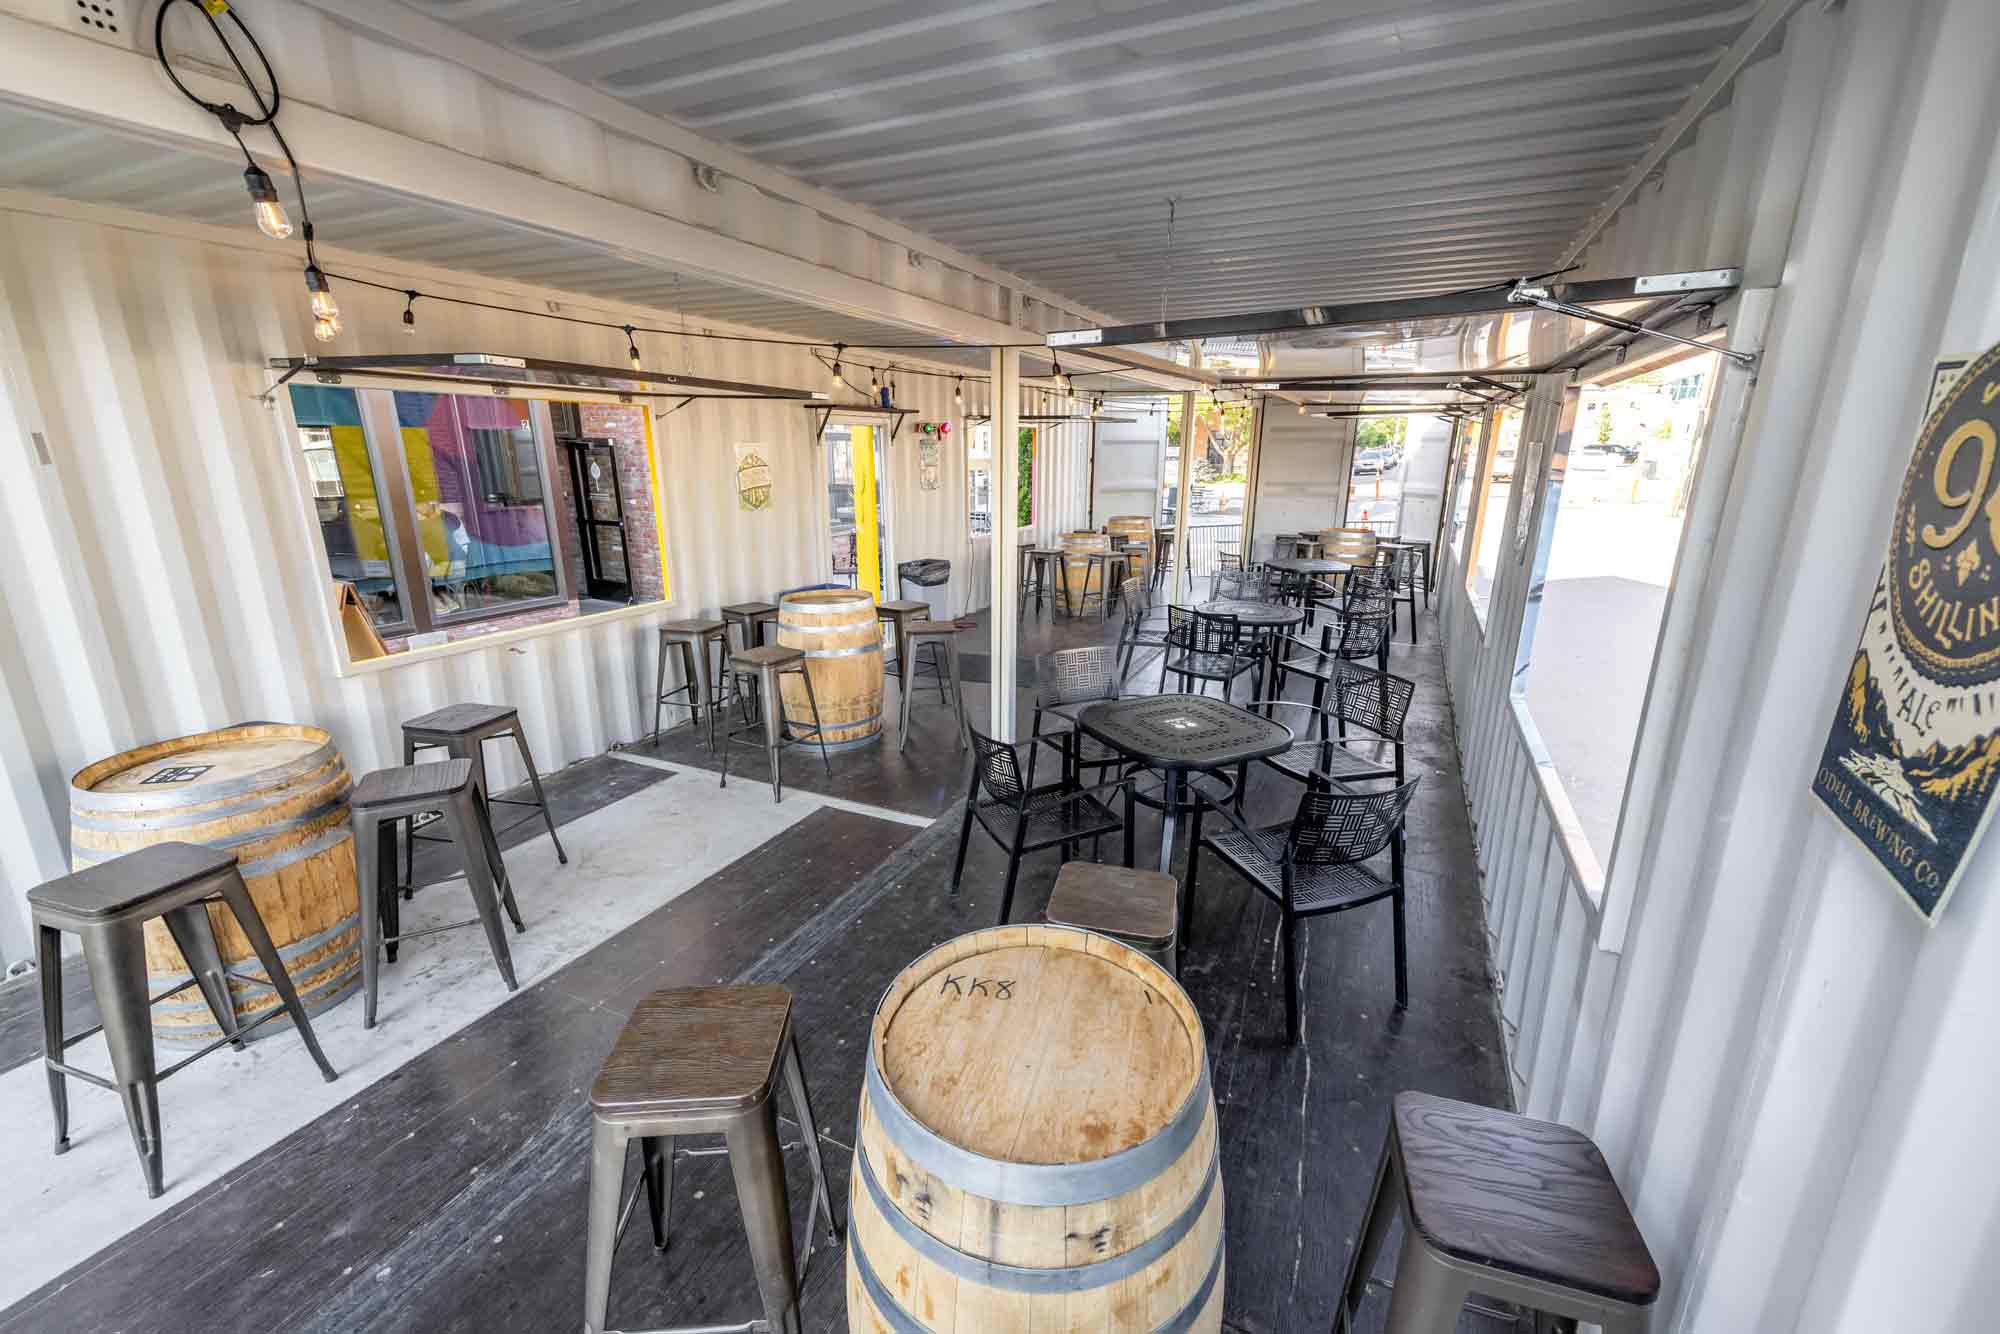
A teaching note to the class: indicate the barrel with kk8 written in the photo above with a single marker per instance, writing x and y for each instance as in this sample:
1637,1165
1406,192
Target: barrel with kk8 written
1036,1145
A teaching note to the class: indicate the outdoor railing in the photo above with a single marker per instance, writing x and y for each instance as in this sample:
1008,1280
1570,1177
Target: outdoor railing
1208,539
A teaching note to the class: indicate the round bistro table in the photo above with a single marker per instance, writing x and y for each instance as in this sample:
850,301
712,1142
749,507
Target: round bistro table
1264,619
1179,733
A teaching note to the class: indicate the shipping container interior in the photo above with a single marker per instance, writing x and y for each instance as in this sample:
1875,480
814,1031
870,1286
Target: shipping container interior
1560,370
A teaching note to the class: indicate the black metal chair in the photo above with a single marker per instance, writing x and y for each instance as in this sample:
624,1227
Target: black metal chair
1140,627
1373,703
1024,819
1250,585
1313,864
1405,566
1066,680
1204,647
1358,635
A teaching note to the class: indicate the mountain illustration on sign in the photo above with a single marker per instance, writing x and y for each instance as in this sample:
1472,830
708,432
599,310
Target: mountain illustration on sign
1934,780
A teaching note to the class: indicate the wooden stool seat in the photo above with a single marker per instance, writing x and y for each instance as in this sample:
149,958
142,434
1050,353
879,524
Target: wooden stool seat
766,655
692,629
134,880
695,1047
751,617
411,782
454,720
1531,1197
1134,907
1504,1205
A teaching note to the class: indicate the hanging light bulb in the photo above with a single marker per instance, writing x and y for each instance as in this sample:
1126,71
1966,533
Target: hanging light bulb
326,328
324,307
632,347
838,348
874,383
958,392
410,314
271,218
1302,407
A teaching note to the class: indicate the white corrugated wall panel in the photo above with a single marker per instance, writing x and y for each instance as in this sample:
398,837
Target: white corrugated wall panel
1789,1072
166,578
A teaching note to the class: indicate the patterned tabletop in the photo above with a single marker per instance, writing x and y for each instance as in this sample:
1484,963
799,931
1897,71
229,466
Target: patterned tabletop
1251,612
1183,731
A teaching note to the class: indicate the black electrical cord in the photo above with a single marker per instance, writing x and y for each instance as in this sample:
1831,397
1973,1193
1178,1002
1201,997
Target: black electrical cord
232,117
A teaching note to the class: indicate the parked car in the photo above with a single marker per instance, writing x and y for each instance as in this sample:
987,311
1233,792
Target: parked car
1372,461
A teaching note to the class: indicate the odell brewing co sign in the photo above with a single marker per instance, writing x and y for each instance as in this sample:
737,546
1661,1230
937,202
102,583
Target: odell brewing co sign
1910,763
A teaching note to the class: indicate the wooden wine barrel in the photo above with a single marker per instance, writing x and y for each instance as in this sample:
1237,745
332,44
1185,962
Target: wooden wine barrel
276,796
1137,530
1036,1147
1356,546
842,639
1076,569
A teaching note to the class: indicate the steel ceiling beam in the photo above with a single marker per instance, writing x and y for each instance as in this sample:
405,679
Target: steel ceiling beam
1588,292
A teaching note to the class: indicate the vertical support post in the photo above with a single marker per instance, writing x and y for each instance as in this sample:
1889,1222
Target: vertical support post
1183,558
1006,618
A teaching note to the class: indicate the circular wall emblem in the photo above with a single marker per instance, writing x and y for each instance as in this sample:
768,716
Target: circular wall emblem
1944,556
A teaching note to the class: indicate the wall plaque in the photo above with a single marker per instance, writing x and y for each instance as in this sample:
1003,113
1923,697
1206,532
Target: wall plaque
1910,761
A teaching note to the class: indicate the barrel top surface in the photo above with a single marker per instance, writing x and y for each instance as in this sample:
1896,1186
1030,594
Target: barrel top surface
190,764
1039,1054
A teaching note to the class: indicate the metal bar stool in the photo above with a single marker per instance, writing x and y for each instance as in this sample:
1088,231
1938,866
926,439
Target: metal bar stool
703,1061
749,620
463,730
1140,909
899,612
941,638
107,907
1037,564
388,795
762,667
1492,1202
693,640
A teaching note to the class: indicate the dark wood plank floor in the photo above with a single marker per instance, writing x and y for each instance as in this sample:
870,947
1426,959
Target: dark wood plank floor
450,1195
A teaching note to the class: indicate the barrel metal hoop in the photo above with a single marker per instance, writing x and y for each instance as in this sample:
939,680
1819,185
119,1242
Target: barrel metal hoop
831,627
841,603
252,969
94,799
903,1322
277,861
854,652
1036,1183
1018,1278
183,819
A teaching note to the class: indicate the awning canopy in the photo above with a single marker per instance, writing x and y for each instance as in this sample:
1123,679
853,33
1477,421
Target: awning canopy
503,374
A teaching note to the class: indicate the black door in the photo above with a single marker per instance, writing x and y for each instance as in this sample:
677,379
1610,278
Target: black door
600,519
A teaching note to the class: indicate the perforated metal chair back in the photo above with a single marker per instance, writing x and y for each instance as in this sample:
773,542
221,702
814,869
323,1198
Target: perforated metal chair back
1363,634
1376,701
996,769
1074,675
1256,585
1406,568
1216,632
1333,827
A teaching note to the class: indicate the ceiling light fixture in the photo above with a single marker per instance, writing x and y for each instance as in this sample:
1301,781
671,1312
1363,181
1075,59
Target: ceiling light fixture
271,217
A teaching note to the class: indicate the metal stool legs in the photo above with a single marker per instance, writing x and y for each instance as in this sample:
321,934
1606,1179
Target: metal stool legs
381,924
114,954
948,645
776,724
757,1166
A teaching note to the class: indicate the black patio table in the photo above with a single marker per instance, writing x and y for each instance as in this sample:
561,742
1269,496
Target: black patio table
1178,733
1305,565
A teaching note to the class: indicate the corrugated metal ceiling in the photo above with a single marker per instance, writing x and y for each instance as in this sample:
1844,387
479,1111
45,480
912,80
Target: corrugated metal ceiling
1320,150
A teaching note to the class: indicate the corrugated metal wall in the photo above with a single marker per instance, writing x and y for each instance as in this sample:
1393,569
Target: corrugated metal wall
161,580
1302,466
1791,1074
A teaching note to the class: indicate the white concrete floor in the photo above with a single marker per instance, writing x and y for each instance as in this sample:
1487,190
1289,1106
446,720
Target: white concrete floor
226,1108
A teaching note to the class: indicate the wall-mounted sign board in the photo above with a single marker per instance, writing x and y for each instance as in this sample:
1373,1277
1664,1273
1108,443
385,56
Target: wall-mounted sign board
1910,763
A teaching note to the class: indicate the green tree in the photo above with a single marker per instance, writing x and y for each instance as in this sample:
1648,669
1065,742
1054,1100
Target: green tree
1387,432
1024,507
1603,423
